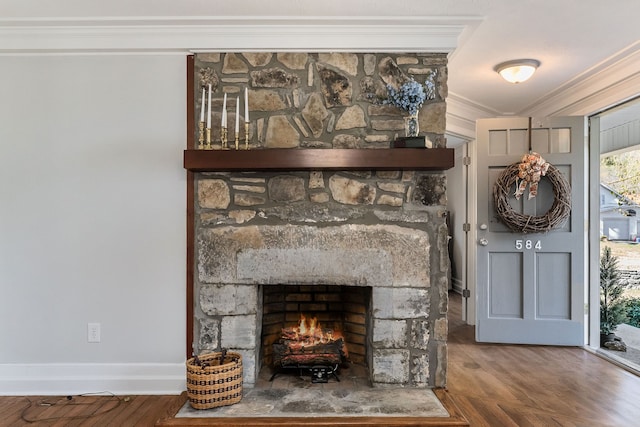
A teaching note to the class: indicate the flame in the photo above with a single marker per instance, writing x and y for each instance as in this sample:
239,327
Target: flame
309,332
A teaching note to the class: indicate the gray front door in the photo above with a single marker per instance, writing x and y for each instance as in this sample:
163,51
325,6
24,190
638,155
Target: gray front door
531,286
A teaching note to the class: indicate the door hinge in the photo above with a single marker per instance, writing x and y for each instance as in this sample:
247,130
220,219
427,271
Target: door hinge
466,293
466,227
466,160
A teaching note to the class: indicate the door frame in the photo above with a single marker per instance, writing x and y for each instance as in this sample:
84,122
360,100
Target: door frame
593,168
472,236
467,240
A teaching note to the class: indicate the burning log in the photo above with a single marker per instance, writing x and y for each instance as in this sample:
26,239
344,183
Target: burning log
308,344
321,354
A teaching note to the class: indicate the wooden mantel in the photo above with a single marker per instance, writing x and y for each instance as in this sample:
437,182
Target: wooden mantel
429,159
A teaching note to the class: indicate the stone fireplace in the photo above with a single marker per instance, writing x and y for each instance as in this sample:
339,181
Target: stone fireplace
363,248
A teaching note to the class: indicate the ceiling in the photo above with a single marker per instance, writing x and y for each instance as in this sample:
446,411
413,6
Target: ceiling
589,50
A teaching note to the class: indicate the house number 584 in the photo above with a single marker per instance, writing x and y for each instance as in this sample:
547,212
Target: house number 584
528,244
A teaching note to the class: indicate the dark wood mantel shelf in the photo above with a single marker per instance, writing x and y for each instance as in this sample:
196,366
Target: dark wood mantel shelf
430,159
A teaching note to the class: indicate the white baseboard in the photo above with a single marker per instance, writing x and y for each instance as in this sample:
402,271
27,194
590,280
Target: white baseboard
68,379
457,285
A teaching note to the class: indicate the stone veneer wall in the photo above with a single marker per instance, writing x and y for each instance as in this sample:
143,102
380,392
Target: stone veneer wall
324,100
383,229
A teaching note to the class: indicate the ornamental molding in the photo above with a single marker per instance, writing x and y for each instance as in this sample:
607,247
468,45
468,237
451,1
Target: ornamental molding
422,34
612,81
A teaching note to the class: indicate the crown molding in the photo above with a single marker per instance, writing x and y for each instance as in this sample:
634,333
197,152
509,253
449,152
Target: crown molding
462,114
607,84
197,34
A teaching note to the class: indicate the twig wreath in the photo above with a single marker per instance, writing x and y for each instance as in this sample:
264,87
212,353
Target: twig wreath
530,170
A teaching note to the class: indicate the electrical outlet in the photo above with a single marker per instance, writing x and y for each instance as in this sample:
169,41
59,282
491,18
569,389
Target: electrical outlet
93,332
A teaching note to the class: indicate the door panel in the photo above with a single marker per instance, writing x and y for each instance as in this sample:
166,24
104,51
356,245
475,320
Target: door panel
505,278
530,287
554,302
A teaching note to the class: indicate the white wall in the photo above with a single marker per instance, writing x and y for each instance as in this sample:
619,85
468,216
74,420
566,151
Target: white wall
92,223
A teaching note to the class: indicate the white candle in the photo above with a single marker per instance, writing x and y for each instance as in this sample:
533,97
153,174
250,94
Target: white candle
202,106
209,109
246,105
237,115
224,112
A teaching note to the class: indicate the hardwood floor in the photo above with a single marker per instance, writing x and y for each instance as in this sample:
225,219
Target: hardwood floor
87,411
521,385
492,385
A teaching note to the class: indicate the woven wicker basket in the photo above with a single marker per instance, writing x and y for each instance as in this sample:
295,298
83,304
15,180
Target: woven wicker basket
212,382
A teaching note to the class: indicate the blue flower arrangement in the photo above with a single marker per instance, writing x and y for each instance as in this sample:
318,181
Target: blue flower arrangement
408,97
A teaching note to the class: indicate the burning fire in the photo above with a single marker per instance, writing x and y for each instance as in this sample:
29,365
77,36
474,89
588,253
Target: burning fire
308,333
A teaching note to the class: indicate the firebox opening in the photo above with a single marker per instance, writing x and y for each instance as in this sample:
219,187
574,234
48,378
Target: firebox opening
340,310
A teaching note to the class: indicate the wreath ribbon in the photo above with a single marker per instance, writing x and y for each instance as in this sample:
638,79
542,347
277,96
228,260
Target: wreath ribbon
531,169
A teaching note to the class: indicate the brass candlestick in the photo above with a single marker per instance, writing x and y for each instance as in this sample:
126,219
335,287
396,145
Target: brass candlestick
237,140
201,135
246,135
208,145
223,138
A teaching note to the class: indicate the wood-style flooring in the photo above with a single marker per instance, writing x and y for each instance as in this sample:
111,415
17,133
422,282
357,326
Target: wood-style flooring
86,411
492,385
522,385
